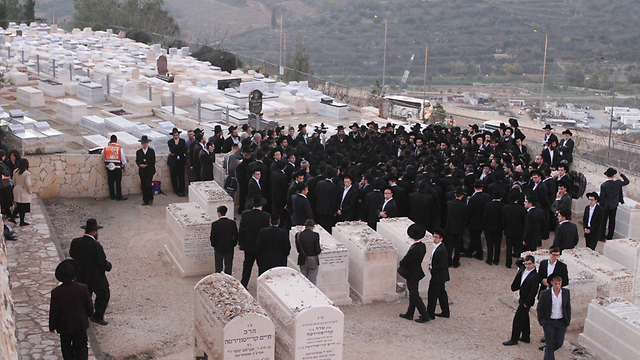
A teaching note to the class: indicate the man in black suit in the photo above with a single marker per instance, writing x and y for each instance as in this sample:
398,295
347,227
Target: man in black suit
439,268
224,237
456,215
399,196
539,188
526,281
176,161
326,200
308,244
92,264
373,203
552,266
69,311
566,232
551,156
565,147
217,139
232,139
554,315
194,156
300,205
146,161
610,196
254,186
412,264
475,215
347,200
548,136
513,220
592,221
206,159
251,222
389,208
492,219
365,189
533,224
422,207
279,188
273,246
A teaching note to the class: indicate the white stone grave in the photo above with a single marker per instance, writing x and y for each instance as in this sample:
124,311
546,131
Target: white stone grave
613,279
628,219
209,195
229,322
30,97
91,92
626,252
118,123
334,110
71,110
612,330
54,139
188,245
93,124
372,261
296,103
333,272
395,230
308,324
219,173
211,112
94,141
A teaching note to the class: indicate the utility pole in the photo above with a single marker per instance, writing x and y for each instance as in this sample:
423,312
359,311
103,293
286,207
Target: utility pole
544,68
613,104
424,86
280,64
384,57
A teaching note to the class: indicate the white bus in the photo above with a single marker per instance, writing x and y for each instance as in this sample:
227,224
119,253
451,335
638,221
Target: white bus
405,107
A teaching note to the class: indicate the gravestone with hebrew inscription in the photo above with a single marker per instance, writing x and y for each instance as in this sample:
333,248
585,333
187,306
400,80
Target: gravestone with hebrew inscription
188,245
229,322
612,330
626,252
308,324
372,261
333,272
209,195
395,229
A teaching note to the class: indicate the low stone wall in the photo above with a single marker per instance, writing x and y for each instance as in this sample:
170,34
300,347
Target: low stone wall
588,167
8,344
84,175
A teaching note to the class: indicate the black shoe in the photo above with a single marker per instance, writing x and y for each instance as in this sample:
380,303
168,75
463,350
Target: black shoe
24,224
479,257
456,265
150,202
442,315
508,266
182,194
489,262
99,321
12,219
145,203
467,255
422,320
544,339
541,347
510,343
405,316
113,198
122,199
496,262
525,340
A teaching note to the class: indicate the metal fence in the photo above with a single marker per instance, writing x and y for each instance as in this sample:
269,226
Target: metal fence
622,155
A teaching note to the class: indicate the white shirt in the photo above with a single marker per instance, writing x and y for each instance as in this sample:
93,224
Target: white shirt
556,305
551,155
344,194
385,203
433,252
145,150
525,273
591,210
551,267
258,182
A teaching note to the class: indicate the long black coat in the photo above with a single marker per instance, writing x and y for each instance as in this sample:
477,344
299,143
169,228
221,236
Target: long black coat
528,289
91,261
513,220
373,202
224,235
611,193
597,222
546,157
301,210
326,203
253,189
475,210
533,225
362,198
70,308
492,217
566,236
566,148
349,204
149,159
273,248
308,243
422,209
440,265
251,222
206,165
456,217
279,187
177,153
412,260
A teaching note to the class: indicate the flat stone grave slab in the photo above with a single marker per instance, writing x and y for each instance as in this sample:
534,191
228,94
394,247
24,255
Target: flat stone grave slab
93,124
333,272
51,88
219,173
372,262
30,97
395,230
626,252
229,322
188,245
308,324
71,110
209,195
614,280
118,123
612,330
94,141
628,219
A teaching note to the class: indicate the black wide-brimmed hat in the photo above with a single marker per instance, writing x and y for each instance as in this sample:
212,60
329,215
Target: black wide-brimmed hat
567,132
66,270
513,122
175,130
231,128
144,139
217,129
610,172
547,127
478,183
594,195
416,232
355,124
256,201
92,224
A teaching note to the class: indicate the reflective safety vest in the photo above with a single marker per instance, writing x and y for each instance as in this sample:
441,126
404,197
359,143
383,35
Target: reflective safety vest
112,153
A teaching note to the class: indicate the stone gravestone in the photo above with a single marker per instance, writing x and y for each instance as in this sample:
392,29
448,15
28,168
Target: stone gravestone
333,272
612,330
308,325
161,64
135,74
229,323
151,57
395,229
209,195
129,89
372,262
122,35
188,245
626,252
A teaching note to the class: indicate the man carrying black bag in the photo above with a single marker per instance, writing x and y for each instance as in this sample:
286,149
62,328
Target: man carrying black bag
411,269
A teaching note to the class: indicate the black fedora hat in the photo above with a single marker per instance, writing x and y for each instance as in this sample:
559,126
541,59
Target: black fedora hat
355,124
513,122
567,132
217,129
231,128
547,127
416,232
594,195
256,201
66,270
175,130
536,172
478,183
92,224
610,172
144,139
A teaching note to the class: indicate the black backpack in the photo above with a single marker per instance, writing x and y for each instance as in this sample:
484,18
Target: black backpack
578,184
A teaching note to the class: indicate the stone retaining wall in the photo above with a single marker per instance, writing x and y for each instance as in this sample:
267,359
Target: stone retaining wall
589,167
8,345
84,175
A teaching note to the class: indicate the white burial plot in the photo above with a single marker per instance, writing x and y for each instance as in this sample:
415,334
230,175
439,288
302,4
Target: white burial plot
395,229
209,195
372,261
188,245
626,252
71,110
612,330
333,272
628,219
229,322
308,324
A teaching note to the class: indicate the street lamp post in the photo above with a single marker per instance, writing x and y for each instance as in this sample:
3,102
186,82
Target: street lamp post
613,104
384,57
544,68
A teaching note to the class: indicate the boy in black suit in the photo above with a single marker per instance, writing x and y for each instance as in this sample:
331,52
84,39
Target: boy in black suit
412,263
146,161
439,268
593,221
224,237
554,319
526,281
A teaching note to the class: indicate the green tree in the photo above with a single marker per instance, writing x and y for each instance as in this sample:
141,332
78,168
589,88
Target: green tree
574,76
4,16
509,69
274,22
376,95
29,11
300,68
438,114
634,78
218,57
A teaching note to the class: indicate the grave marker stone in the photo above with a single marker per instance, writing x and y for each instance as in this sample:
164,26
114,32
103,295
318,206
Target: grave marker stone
188,246
161,64
626,252
209,195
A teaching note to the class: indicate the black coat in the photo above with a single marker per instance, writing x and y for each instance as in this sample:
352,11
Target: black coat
546,157
224,235
566,236
279,188
362,198
218,143
373,203
194,156
412,260
565,147
560,269
492,217
391,210
70,308
227,144
541,194
597,221
253,189
273,248
475,210
528,289
402,200
611,193
533,225
456,217
422,209
301,210
307,243
206,165
149,159
513,220
545,303
326,203
349,204
91,261
251,222
440,265
177,153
